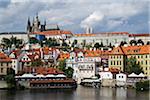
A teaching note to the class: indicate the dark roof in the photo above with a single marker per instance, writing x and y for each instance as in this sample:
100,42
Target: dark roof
12,33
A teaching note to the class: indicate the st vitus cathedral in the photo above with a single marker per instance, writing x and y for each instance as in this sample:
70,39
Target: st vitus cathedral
35,26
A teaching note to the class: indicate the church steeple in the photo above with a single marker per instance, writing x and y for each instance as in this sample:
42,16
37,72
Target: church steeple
28,25
57,27
45,22
37,16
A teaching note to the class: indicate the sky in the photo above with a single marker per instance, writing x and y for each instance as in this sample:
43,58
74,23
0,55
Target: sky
76,15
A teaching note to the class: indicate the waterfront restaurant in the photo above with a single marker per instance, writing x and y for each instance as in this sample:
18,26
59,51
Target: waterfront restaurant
45,78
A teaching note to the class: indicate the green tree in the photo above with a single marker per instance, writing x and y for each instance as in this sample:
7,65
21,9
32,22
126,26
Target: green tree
33,40
84,43
143,85
13,40
6,42
10,78
62,65
133,42
101,45
140,42
75,42
36,63
148,43
133,66
51,42
123,43
69,72
96,45
64,44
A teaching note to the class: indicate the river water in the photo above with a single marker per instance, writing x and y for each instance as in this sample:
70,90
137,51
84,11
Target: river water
81,93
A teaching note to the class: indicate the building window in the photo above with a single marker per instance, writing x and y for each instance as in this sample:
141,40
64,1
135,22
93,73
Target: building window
141,62
2,70
146,68
141,56
114,63
1,64
7,64
117,63
111,63
146,56
146,62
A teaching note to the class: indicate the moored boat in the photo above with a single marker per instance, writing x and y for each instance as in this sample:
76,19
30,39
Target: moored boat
91,82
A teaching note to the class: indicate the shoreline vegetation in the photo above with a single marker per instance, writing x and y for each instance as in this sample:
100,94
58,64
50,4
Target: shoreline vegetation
143,85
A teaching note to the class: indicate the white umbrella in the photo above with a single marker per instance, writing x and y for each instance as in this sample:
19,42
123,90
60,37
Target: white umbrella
133,75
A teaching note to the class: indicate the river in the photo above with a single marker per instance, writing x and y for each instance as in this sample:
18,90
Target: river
81,93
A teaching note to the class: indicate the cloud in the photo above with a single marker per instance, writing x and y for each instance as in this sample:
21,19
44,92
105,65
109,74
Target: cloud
106,15
92,19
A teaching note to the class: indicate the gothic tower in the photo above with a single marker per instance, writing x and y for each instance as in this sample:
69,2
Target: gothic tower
36,24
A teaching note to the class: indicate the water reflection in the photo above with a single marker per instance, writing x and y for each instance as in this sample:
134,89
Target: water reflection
81,93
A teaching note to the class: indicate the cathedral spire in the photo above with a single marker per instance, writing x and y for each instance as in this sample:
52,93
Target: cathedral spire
57,27
33,21
37,17
29,21
28,25
45,22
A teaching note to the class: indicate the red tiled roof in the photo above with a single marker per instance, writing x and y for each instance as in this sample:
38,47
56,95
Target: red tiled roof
96,53
138,35
117,51
84,34
16,52
4,57
53,32
144,49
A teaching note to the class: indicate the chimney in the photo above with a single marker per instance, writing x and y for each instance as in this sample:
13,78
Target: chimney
91,30
87,30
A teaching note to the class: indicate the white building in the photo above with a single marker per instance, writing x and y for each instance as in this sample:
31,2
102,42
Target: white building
18,35
16,56
105,38
121,79
105,75
83,67
144,37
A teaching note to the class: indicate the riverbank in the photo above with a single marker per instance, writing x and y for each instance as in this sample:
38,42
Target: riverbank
3,85
81,93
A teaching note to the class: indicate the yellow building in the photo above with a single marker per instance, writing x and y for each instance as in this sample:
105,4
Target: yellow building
116,59
142,53
5,62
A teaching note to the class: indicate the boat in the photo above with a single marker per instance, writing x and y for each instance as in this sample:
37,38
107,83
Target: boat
91,82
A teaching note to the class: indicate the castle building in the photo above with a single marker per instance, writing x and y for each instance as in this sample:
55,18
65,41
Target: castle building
41,31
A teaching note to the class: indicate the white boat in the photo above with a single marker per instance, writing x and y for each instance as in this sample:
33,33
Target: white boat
91,82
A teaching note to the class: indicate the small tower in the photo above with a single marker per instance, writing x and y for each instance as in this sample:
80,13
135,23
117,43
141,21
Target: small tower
57,27
28,25
44,25
89,30
36,24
